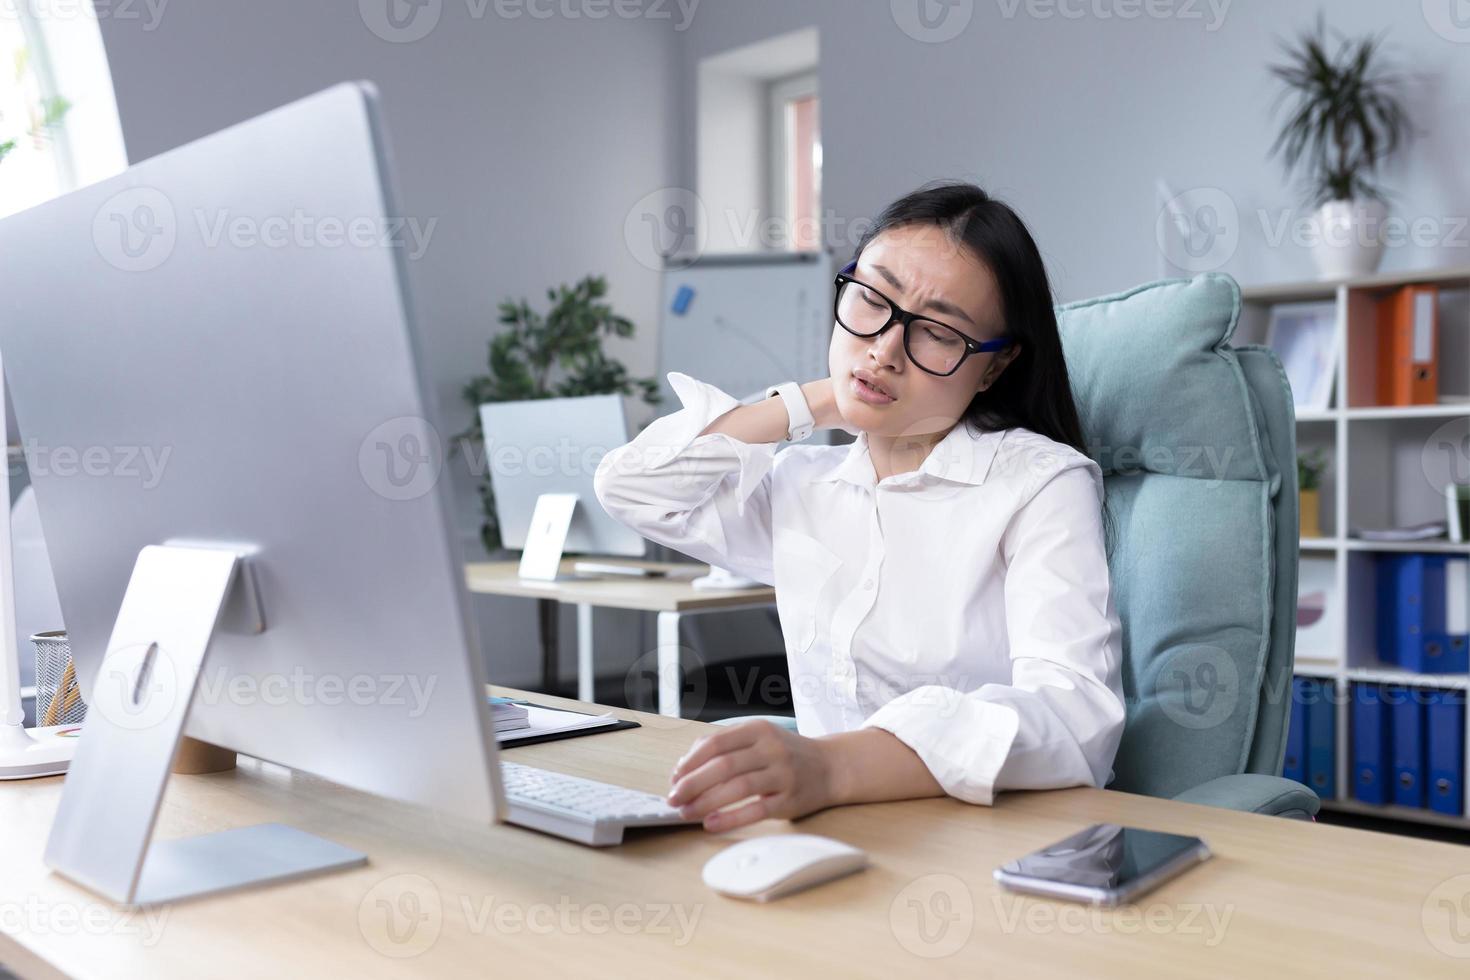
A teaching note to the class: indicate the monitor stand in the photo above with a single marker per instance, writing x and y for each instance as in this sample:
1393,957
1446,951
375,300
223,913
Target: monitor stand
546,538
25,753
180,594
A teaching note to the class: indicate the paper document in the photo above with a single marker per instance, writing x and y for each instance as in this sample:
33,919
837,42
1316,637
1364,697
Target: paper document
545,721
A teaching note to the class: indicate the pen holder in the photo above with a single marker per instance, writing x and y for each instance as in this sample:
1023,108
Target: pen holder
58,695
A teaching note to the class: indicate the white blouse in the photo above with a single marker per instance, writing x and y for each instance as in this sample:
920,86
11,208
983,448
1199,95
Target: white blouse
964,607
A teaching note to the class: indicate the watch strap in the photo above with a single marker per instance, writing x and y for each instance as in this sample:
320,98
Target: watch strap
799,419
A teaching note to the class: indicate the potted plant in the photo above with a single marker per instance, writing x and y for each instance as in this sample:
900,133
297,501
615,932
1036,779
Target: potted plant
1309,469
556,355
44,119
1346,117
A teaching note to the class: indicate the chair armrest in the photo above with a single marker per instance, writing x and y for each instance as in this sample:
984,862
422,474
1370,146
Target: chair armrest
1255,793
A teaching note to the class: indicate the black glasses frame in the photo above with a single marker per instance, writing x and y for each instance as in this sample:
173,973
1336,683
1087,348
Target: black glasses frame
897,314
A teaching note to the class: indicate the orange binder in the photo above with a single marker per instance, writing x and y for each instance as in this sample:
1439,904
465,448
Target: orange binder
1408,346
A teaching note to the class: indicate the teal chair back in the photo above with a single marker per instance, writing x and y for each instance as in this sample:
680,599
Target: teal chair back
1197,442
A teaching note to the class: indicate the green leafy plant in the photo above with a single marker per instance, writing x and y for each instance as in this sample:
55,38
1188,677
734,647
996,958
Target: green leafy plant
46,117
1309,469
1346,114
555,355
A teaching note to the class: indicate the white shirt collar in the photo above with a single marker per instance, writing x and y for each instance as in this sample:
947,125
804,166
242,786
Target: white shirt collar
962,456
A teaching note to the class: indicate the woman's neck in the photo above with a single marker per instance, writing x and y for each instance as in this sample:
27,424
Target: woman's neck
893,455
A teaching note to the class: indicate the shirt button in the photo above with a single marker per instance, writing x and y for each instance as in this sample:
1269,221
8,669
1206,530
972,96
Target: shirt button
868,585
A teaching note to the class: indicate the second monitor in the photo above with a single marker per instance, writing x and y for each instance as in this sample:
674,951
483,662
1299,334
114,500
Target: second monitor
553,446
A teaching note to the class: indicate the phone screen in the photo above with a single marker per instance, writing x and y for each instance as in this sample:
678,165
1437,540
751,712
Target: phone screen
1104,856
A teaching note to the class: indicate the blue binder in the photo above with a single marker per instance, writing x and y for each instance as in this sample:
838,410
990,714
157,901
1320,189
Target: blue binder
1414,613
1386,592
1408,745
1445,750
1294,766
1321,739
1372,772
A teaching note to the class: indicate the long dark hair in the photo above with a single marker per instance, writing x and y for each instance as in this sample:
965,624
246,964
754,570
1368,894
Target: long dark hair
1033,391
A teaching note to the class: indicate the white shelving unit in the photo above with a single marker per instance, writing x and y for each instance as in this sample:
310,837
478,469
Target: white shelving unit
1385,466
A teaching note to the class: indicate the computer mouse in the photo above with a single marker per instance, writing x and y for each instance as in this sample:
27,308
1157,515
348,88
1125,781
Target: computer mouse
764,868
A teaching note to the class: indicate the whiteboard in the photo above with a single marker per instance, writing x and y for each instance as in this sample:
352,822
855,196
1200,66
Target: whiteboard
743,322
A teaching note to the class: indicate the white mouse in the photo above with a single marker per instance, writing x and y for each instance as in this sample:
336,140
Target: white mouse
764,868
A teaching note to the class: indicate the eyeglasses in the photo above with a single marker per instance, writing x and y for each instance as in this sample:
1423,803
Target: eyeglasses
933,347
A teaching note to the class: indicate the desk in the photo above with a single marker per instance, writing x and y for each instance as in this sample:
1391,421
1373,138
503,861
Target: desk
671,598
446,898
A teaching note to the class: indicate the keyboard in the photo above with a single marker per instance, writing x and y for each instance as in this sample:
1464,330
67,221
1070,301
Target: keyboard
583,810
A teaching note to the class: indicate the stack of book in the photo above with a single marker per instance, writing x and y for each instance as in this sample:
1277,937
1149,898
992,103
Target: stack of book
509,714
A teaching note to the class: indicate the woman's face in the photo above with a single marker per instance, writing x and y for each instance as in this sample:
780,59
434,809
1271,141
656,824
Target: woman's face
923,270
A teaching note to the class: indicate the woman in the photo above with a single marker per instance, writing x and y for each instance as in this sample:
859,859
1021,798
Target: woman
942,582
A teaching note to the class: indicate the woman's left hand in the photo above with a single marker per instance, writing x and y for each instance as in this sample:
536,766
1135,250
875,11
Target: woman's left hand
791,775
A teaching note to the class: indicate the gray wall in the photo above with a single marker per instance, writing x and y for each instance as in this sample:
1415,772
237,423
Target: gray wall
531,139
528,139
1071,118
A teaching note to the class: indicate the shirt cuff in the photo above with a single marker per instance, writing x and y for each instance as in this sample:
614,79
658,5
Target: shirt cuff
674,434
962,739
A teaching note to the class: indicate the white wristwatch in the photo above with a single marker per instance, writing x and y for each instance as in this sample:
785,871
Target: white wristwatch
799,419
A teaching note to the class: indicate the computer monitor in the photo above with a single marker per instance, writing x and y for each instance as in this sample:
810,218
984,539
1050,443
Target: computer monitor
553,445
215,348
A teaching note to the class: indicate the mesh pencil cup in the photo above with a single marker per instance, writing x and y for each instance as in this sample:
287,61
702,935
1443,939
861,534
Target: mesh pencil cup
58,695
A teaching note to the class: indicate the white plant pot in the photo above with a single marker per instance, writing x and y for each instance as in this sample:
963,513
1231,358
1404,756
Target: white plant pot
1349,239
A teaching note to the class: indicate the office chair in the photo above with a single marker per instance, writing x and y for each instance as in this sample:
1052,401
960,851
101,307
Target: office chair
1197,443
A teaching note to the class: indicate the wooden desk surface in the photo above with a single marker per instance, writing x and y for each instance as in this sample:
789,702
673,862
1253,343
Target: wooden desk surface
650,595
444,898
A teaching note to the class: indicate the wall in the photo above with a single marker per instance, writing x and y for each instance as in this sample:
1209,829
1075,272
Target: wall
528,139
1070,110
534,140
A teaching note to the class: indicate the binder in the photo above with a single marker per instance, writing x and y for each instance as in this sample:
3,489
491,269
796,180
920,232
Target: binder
1387,570
1408,346
1408,745
1321,739
1294,766
1456,616
1424,612
1445,751
1372,772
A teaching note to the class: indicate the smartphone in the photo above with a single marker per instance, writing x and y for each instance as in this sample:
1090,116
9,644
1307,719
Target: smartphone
1104,865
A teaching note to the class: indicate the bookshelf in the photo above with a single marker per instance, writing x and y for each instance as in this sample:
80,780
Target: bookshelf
1385,466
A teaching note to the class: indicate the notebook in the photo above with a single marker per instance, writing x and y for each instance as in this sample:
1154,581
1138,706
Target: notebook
508,715
544,724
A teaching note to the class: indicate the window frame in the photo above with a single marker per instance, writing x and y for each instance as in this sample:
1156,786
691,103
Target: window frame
780,93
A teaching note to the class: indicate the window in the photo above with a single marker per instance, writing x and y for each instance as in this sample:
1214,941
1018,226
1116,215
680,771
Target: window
758,153
796,162
59,128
